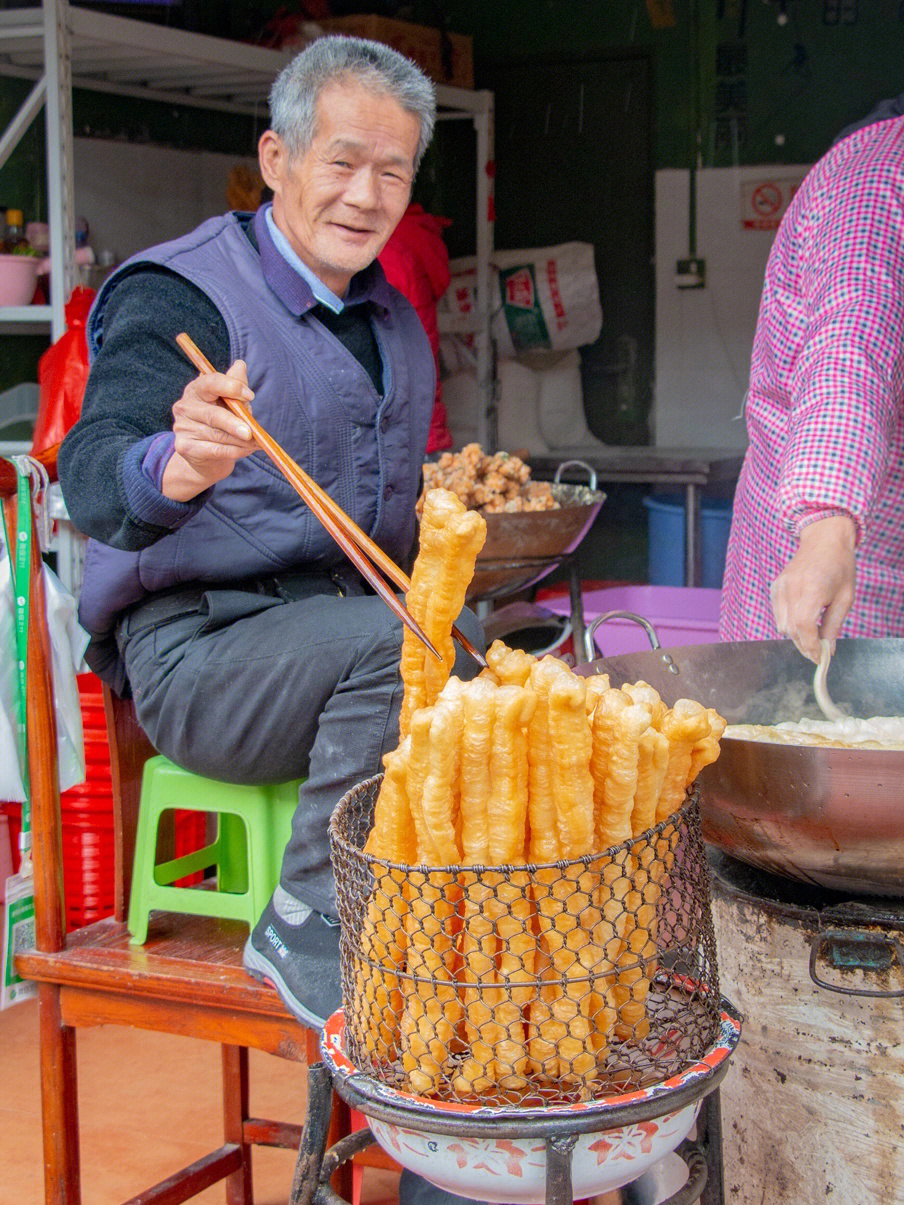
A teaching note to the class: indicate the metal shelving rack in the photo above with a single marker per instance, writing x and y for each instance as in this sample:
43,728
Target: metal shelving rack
62,47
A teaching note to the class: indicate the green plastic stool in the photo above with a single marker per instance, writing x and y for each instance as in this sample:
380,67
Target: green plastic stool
253,827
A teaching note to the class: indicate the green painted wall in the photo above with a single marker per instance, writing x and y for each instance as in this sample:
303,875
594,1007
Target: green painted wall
804,80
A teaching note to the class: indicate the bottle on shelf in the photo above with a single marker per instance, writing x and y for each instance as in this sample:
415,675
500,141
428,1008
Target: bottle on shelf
15,242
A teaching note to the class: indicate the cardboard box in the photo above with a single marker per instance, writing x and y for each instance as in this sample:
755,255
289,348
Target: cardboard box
421,43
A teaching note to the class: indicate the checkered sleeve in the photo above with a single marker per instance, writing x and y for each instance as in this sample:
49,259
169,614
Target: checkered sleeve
847,386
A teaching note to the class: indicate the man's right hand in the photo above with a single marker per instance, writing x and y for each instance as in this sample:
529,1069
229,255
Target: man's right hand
209,438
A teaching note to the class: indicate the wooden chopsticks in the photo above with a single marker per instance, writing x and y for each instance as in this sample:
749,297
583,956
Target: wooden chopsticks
355,543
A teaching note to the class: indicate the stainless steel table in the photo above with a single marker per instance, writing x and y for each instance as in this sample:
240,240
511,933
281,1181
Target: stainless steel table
690,469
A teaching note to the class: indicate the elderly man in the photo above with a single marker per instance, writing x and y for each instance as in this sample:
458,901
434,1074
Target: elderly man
250,645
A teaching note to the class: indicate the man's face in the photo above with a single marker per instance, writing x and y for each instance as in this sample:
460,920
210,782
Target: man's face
339,202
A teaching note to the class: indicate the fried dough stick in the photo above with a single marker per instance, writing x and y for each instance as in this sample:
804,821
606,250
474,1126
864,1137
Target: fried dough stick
544,1030
683,726
619,726
649,696
574,936
450,539
706,750
383,942
597,685
509,904
511,666
432,1009
652,763
477,940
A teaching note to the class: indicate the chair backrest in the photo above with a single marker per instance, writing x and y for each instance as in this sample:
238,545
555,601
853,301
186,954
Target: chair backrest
47,841
129,750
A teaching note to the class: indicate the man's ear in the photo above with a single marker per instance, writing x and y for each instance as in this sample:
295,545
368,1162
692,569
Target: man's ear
271,155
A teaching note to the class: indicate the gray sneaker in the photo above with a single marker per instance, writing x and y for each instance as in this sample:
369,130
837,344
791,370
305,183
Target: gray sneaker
300,961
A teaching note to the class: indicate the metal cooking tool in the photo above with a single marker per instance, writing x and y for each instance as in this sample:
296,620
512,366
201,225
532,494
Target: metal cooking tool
833,817
820,689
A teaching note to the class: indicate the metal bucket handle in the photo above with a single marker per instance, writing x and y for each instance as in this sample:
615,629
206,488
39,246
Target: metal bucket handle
581,464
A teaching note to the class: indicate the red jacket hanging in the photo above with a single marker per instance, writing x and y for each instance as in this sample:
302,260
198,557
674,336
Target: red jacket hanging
416,262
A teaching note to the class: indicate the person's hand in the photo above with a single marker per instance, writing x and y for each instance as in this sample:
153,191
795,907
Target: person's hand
209,438
818,580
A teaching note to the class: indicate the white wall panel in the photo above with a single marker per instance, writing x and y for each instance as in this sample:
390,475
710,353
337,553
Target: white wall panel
704,336
136,195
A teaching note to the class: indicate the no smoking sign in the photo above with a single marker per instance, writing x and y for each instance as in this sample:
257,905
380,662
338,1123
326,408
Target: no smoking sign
763,202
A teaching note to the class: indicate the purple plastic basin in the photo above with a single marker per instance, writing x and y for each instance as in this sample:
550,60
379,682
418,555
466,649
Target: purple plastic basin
680,615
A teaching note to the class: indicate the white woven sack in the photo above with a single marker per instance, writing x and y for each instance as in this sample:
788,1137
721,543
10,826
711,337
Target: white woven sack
544,297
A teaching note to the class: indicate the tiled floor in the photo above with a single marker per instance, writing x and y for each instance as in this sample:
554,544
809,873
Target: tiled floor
136,1090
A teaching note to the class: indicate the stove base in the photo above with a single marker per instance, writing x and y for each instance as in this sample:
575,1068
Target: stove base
813,1107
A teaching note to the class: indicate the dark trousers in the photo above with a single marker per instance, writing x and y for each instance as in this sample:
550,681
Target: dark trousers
273,682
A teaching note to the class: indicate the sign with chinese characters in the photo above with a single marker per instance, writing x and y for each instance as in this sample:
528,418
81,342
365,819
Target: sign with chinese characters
764,200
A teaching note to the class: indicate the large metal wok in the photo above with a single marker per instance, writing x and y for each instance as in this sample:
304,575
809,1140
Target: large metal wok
834,817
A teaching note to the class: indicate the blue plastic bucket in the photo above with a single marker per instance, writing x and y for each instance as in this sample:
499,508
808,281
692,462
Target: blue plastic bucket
666,528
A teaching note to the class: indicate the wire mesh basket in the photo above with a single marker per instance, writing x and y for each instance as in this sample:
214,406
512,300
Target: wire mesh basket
511,985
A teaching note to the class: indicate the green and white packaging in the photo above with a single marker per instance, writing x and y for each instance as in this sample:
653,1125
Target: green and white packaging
19,918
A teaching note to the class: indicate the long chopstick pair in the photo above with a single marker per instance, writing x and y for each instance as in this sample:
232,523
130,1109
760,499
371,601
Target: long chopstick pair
355,543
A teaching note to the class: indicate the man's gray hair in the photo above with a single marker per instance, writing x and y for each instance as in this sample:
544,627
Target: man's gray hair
297,88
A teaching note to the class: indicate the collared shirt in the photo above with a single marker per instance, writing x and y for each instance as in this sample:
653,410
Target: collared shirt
825,410
295,288
324,295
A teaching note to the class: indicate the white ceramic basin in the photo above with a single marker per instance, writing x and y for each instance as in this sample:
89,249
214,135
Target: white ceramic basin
513,1170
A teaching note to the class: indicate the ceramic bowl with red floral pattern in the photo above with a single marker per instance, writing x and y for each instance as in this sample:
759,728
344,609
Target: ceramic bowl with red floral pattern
513,1170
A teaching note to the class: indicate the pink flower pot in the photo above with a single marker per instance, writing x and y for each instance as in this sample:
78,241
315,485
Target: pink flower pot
18,274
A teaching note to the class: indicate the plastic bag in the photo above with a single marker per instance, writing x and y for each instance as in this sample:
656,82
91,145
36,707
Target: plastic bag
543,297
62,374
68,643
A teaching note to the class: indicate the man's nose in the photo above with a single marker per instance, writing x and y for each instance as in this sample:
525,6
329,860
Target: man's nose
362,189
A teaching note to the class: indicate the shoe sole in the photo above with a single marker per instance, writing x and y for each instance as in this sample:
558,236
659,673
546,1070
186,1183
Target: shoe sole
263,971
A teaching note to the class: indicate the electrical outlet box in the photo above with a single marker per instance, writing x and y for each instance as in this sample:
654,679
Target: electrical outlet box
690,273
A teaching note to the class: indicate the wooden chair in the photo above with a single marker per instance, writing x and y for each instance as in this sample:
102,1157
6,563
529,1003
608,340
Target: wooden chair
188,978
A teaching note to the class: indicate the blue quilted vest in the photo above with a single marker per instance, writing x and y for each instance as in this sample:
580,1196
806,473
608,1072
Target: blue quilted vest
316,400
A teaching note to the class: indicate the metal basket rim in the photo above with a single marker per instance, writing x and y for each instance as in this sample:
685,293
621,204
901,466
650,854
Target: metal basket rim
686,811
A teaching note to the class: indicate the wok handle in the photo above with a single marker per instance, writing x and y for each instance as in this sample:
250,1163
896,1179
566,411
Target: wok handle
856,950
590,646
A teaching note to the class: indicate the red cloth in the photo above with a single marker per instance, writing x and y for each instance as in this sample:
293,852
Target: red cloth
62,374
416,262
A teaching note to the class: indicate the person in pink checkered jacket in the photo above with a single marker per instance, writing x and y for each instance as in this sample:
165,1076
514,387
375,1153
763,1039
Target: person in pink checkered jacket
817,540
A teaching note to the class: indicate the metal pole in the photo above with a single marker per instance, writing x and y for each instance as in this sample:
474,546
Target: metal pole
58,119
691,576
483,127
558,1169
709,1139
313,1136
28,110
582,654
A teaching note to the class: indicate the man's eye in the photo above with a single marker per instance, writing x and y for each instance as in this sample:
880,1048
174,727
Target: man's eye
341,163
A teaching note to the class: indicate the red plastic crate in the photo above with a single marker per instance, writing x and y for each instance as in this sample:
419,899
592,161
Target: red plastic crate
86,812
